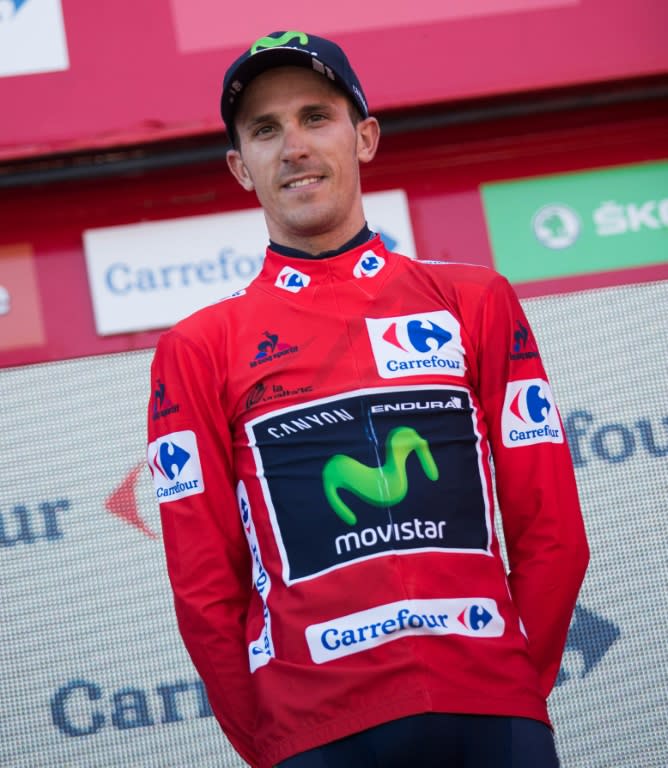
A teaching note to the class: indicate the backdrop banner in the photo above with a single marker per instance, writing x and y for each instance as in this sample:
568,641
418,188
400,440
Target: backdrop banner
93,669
579,223
158,66
150,275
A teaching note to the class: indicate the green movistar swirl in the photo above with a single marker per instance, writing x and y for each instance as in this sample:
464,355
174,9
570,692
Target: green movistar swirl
380,486
275,42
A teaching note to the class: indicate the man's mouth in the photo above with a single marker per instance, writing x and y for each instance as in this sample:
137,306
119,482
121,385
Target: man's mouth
302,182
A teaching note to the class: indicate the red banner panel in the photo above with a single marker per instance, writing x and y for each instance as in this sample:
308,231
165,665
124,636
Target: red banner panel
79,75
20,307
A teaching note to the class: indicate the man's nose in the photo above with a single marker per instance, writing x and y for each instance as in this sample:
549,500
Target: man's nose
295,145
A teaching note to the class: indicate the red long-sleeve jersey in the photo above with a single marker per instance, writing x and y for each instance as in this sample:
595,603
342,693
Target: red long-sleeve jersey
324,446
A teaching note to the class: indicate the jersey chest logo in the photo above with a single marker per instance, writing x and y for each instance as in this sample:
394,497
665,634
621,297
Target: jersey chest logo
370,472
424,344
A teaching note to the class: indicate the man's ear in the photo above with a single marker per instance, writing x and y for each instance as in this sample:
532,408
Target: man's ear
368,136
239,170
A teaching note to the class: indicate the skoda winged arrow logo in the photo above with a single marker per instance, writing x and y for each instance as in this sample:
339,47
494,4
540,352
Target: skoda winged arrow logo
380,486
556,226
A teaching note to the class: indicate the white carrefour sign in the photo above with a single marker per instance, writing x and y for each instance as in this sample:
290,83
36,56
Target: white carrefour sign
150,275
32,37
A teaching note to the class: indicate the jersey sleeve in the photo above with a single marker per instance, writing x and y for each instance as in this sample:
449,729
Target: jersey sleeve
190,457
535,482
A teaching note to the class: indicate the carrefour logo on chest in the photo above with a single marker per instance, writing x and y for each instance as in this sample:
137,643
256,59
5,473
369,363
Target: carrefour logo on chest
529,414
424,344
175,466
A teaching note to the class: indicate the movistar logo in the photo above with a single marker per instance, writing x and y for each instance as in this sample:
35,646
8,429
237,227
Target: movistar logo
276,42
380,486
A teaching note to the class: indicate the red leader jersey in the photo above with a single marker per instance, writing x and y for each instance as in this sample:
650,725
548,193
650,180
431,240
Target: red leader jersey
324,446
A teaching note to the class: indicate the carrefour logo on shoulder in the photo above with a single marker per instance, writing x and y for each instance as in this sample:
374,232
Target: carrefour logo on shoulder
175,466
369,265
292,280
424,344
474,617
529,414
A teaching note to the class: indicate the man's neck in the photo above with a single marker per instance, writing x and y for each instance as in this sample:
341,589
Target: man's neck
360,238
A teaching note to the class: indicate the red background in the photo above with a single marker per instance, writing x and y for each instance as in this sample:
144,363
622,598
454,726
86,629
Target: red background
129,81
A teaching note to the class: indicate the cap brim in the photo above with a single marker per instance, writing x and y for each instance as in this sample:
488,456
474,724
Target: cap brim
255,65
260,62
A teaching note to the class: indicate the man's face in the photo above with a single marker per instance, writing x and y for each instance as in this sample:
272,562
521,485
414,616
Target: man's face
300,151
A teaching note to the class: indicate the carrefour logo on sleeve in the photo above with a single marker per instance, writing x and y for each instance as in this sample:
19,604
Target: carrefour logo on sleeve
529,414
174,463
474,617
424,344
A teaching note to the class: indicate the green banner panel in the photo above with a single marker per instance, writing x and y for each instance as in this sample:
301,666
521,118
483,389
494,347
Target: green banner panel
578,223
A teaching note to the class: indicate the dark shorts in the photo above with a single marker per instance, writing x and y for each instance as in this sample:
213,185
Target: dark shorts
435,740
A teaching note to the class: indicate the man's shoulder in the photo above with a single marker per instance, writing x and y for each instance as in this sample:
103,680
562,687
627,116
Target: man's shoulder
457,272
213,319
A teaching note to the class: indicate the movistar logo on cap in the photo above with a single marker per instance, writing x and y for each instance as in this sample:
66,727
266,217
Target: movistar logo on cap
277,42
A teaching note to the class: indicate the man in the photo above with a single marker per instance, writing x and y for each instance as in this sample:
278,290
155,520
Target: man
325,482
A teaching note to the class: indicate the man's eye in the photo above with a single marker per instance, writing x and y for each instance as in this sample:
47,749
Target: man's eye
316,117
263,130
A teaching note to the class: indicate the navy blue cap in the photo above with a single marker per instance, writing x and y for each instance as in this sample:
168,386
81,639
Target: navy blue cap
298,49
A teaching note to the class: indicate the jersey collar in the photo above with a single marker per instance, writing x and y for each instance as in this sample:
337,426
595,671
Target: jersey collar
367,263
361,238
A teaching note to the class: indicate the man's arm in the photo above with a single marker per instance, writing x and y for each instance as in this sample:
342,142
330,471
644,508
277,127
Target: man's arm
207,555
542,523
